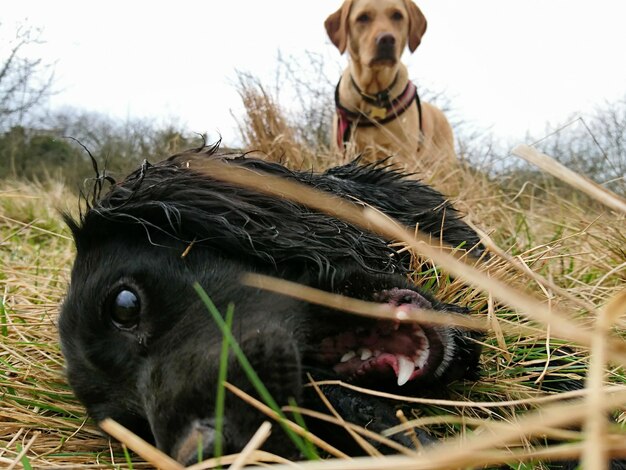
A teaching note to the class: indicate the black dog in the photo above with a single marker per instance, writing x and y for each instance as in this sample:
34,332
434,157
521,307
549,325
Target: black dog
142,349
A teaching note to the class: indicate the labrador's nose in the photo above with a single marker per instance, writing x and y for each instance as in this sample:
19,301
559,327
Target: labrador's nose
385,40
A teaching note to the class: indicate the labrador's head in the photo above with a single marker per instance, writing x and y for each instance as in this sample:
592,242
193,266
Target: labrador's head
376,32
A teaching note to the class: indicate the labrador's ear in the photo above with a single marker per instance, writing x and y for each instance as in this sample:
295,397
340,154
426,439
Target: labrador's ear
337,26
417,24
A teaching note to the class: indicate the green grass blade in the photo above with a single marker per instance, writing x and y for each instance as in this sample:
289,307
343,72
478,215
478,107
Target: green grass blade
221,390
4,323
129,460
250,372
297,417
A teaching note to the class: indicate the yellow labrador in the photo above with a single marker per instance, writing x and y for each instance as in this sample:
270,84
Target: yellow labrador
378,108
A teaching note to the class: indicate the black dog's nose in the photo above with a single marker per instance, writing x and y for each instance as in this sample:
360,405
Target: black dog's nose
385,40
197,443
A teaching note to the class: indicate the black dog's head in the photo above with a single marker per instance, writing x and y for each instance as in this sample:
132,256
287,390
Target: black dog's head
142,349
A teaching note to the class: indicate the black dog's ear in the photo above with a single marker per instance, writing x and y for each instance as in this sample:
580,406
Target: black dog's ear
72,224
76,227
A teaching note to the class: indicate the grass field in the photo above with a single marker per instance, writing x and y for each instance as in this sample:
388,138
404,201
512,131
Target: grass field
559,258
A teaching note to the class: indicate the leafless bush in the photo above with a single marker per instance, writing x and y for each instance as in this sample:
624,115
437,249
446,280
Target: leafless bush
25,83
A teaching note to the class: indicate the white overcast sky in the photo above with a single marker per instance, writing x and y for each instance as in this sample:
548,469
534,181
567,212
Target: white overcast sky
507,65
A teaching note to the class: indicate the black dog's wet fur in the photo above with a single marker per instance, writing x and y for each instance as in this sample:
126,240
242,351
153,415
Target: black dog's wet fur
159,377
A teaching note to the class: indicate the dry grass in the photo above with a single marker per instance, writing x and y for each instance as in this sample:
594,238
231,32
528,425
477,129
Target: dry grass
557,278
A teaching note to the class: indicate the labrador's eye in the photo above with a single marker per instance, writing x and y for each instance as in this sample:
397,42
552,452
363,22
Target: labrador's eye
397,16
125,308
363,18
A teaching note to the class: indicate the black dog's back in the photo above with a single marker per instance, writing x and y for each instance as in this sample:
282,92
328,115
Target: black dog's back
382,186
141,348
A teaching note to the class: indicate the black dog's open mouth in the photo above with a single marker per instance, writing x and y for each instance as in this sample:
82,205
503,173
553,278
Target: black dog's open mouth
386,351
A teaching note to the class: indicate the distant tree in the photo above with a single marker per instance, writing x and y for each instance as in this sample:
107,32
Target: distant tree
594,146
25,82
35,155
289,119
313,93
58,146
121,145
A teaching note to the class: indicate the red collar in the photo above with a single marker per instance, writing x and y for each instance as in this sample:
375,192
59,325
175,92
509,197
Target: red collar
388,110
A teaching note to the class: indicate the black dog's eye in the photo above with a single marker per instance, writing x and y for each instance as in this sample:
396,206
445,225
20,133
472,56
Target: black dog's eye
125,308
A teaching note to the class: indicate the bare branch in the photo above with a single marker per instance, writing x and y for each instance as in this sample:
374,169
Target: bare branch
25,82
